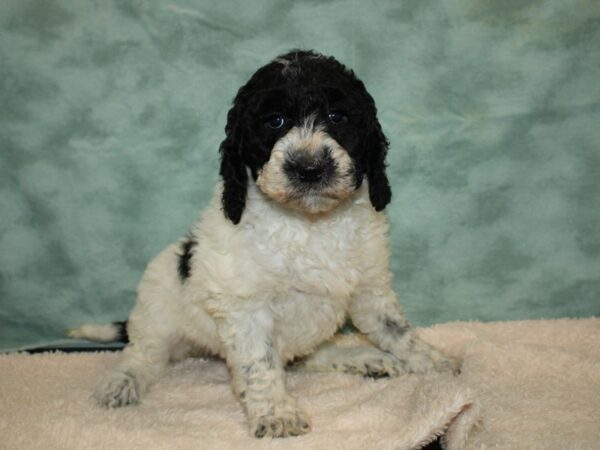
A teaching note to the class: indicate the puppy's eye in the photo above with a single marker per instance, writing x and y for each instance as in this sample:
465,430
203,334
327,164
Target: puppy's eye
336,117
275,121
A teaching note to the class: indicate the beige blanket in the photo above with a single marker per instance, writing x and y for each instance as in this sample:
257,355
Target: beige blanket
524,385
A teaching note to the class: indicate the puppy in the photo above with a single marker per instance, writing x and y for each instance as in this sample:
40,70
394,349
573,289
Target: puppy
293,243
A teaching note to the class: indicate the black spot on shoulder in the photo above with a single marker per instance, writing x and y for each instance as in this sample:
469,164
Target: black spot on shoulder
185,258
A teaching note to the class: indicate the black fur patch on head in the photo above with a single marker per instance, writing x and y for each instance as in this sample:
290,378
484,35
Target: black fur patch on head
184,267
294,86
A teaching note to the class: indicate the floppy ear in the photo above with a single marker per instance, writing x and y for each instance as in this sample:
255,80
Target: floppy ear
233,170
380,192
375,151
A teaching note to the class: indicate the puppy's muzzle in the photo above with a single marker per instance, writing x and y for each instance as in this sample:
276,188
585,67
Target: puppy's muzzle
310,169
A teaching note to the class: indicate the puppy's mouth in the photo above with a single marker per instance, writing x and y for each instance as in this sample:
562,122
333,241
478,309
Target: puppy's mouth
307,199
310,199
313,203
312,189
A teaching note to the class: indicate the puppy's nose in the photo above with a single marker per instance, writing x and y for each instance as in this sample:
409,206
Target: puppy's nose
310,169
310,173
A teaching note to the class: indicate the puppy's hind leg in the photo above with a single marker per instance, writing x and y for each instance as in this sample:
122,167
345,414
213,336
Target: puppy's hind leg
353,354
153,334
141,364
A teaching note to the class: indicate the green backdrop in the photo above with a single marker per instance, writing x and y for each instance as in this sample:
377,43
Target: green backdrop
111,113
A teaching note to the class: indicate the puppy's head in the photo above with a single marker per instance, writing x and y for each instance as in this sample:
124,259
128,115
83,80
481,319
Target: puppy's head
307,129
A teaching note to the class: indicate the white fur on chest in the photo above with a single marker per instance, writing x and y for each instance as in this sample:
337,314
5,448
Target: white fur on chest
274,250
314,269
316,258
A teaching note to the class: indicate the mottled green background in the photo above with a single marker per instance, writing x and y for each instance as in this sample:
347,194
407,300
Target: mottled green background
111,113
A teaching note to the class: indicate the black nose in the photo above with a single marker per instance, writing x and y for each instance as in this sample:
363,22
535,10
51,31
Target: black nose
309,168
310,173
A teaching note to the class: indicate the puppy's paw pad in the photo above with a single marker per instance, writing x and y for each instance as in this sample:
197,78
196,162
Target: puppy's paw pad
282,425
119,389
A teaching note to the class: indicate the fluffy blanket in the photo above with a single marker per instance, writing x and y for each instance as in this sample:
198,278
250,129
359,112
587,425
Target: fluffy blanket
524,385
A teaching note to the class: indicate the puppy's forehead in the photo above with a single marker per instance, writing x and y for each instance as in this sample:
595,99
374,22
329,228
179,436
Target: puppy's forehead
300,76
291,96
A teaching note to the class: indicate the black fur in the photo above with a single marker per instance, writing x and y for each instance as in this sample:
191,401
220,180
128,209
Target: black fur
380,192
122,335
185,264
296,85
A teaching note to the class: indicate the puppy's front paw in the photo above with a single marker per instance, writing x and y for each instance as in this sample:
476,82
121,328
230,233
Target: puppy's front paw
432,360
448,364
281,423
422,357
373,364
118,389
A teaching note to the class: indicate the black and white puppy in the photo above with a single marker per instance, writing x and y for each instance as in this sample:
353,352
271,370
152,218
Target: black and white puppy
293,243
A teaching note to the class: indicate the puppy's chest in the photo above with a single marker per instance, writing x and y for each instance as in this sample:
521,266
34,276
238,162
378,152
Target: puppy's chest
313,259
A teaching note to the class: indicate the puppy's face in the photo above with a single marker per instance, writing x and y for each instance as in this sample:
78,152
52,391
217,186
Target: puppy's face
307,130
311,132
307,169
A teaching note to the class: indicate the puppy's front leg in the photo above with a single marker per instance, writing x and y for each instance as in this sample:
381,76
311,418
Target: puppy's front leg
378,314
258,375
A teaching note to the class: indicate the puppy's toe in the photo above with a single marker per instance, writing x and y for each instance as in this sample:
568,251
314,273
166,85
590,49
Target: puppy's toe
293,423
119,389
381,365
